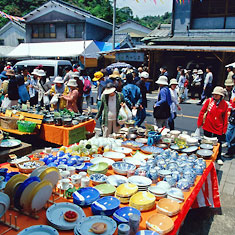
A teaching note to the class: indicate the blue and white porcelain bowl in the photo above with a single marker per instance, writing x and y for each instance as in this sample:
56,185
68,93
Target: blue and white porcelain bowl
199,169
123,167
176,194
183,184
98,178
105,206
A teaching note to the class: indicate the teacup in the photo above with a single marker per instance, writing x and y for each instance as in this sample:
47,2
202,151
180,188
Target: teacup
64,174
62,167
85,181
65,183
71,169
48,150
76,180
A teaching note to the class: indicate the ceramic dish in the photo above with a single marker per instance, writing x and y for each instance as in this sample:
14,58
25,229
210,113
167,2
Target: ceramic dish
168,207
175,147
4,203
141,156
10,143
126,190
146,232
102,159
38,171
18,160
135,161
151,150
98,179
55,215
141,140
160,223
204,153
176,194
29,166
38,197
206,146
83,166
114,155
64,187
85,226
97,155
85,196
122,215
116,180
124,150
123,167
132,144
39,229
51,174
101,168
105,189
140,180
105,206
190,149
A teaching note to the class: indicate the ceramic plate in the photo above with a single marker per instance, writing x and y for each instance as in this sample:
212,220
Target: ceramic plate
51,174
126,190
132,144
204,152
38,171
140,180
114,155
99,178
147,232
142,156
55,215
85,196
9,143
122,215
151,150
39,229
190,149
105,189
134,161
142,140
116,180
175,147
102,159
4,203
206,146
83,166
122,150
105,204
84,226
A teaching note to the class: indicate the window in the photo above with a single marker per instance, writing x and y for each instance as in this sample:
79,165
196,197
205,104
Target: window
74,30
44,31
20,40
1,42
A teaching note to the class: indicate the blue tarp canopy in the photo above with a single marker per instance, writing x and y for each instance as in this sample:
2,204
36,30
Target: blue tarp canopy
106,46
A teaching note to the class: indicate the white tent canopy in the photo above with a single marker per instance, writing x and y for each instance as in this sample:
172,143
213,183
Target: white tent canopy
56,49
233,65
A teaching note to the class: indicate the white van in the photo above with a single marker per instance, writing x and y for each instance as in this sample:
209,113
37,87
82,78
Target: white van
52,68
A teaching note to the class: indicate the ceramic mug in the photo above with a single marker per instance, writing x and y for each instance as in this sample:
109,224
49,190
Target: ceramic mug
48,150
65,183
83,174
64,174
85,181
76,180
71,169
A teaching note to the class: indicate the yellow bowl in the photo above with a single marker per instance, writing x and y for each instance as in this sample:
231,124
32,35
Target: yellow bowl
142,198
126,190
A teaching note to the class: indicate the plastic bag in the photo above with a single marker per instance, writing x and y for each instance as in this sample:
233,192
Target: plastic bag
54,99
6,103
197,133
124,114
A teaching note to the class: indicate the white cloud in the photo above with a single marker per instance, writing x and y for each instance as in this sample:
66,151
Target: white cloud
147,7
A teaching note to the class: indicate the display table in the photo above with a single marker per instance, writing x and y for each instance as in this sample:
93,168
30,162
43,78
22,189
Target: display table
66,135
204,193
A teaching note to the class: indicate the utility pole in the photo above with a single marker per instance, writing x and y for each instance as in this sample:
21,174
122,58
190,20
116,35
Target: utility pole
114,21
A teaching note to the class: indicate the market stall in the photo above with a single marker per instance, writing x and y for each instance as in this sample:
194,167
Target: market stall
204,193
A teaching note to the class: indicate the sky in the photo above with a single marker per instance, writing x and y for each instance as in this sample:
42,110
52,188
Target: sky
146,7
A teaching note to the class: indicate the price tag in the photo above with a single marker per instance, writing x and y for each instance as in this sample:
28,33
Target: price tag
8,113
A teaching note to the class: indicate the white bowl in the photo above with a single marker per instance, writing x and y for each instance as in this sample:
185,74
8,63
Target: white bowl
135,161
122,167
163,184
124,150
102,159
114,155
176,193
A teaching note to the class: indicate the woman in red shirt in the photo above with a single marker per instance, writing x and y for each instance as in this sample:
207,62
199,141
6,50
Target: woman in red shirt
213,117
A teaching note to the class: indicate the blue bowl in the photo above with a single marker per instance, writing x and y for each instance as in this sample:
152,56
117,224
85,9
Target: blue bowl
3,172
85,196
83,166
105,206
9,175
122,215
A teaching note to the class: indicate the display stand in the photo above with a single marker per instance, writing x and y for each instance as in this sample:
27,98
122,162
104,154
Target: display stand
9,224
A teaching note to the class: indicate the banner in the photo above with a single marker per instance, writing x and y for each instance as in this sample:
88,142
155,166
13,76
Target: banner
10,17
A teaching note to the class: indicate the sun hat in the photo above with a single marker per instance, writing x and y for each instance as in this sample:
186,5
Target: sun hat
115,74
218,90
72,82
41,73
58,80
144,75
199,71
35,72
110,88
162,80
195,71
10,72
75,75
228,82
97,76
8,63
173,81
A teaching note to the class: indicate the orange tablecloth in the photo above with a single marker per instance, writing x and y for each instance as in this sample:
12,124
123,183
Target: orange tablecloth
60,135
194,198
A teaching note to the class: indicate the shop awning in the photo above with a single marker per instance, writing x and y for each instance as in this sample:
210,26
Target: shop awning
56,49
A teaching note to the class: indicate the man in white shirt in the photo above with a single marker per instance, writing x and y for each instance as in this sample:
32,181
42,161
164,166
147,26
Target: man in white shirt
208,87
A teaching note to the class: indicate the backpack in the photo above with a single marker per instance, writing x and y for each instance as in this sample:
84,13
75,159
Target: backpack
87,85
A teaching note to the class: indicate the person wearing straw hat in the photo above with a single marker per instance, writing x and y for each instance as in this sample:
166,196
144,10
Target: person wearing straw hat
72,97
162,106
115,78
175,103
111,102
213,117
57,91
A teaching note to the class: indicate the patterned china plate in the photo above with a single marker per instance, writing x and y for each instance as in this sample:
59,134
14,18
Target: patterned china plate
151,150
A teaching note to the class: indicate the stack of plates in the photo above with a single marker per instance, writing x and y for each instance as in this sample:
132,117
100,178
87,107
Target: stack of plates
105,206
142,182
85,196
84,227
105,189
160,223
122,215
39,229
55,215
158,192
125,191
4,203
168,207
143,201
116,180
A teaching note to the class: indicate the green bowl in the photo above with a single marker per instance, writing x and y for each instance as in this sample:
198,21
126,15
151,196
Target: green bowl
101,167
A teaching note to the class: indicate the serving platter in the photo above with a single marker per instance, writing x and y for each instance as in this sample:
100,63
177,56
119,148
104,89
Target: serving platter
39,229
10,143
